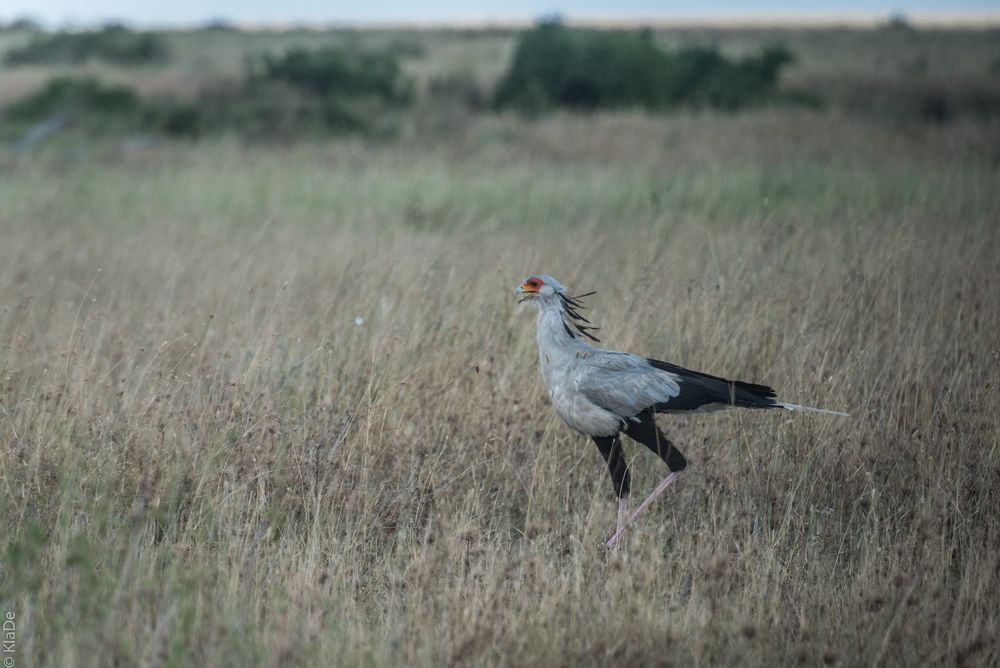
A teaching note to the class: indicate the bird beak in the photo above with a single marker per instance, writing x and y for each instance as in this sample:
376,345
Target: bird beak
525,291
526,288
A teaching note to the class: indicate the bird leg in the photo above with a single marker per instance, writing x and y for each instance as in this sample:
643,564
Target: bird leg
611,450
666,482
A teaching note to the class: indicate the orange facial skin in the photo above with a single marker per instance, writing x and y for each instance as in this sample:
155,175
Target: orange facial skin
532,285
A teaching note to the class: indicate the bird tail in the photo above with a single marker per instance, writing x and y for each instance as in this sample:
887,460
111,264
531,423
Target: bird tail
811,409
702,392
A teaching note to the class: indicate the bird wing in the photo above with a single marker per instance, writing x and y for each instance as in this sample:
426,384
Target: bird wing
628,384
624,384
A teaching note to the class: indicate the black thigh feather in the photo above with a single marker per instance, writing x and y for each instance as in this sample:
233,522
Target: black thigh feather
646,432
611,449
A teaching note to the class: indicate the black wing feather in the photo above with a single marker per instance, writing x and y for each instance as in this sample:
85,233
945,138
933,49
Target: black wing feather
702,389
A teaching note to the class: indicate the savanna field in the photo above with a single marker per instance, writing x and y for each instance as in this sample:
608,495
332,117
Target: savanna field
274,403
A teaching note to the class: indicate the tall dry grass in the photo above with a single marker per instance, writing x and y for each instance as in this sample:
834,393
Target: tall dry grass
272,406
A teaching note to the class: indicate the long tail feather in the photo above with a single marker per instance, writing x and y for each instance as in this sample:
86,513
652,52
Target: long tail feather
811,409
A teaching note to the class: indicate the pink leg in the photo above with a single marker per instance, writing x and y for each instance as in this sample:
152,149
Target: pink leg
623,521
622,514
666,482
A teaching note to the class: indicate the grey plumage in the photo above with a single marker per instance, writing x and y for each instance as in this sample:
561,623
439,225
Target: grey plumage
598,391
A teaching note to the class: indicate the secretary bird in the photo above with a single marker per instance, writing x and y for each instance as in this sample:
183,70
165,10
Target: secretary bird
602,393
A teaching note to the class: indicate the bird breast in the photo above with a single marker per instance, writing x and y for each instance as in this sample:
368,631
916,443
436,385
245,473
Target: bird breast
578,412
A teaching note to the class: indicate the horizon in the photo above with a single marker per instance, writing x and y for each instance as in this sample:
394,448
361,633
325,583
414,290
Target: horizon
305,14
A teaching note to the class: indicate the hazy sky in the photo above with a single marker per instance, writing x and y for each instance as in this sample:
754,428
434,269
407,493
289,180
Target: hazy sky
58,12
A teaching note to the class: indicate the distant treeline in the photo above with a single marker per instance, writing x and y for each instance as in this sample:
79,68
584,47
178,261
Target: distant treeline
334,89
326,90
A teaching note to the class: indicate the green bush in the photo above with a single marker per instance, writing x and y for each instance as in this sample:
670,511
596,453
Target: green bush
257,110
300,93
590,69
703,77
81,105
113,44
584,69
75,98
333,72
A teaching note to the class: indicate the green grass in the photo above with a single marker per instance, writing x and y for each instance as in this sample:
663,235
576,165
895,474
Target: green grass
205,461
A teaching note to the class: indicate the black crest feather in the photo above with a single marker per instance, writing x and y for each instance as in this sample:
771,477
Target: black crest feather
576,325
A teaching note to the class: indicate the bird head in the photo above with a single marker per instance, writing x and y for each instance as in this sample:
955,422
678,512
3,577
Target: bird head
540,288
548,295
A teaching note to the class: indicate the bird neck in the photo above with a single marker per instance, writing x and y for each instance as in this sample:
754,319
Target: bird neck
553,330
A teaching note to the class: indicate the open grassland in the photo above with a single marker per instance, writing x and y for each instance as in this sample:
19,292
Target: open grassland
207,461
263,405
